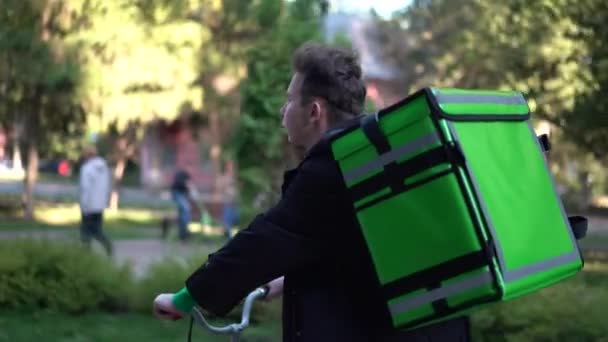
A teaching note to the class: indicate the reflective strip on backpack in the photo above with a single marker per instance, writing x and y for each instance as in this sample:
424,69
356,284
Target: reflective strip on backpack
424,142
541,266
440,293
481,98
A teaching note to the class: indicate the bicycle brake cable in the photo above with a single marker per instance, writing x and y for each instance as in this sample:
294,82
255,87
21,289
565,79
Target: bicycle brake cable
190,329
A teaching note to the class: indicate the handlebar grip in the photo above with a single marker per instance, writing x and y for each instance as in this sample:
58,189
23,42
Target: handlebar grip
235,328
265,291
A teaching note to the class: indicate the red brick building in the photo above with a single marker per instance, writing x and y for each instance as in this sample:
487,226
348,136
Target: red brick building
172,145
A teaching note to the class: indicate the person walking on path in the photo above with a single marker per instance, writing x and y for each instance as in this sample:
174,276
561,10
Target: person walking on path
94,188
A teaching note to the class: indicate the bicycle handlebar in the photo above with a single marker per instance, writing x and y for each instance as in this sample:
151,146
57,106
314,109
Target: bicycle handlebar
233,329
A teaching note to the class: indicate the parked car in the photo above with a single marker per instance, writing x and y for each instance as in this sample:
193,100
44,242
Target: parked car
58,166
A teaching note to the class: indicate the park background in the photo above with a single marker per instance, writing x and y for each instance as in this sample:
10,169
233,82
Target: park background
158,85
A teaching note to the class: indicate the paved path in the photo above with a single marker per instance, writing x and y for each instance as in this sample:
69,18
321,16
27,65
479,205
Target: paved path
44,234
141,254
598,225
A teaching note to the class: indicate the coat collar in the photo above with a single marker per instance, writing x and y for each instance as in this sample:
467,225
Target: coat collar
322,146
324,143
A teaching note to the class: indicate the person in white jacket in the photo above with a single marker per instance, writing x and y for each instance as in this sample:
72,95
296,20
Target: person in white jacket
95,185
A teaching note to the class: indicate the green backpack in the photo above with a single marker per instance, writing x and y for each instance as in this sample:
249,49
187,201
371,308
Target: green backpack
456,203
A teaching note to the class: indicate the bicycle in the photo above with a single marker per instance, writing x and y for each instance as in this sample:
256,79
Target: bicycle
234,329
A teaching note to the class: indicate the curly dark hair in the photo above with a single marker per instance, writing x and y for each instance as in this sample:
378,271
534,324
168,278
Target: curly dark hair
333,74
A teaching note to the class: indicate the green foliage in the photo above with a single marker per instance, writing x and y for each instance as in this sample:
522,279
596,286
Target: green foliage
587,122
570,311
40,74
169,275
552,51
123,327
136,69
549,50
163,277
259,136
47,278
60,276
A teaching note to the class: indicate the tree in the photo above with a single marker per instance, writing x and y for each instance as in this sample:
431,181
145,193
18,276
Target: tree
39,76
209,59
140,67
232,27
587,122
552,51
259,142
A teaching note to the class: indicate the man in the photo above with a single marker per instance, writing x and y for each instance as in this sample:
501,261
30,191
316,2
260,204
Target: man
230,212
95,185
180,192
311,236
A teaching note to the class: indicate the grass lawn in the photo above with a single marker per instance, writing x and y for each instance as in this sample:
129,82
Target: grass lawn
573,310
129,179
126,223
597,236
595,242
114,231
102,327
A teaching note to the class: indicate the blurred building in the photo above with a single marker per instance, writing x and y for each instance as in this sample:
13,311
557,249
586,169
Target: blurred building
171,145
384,83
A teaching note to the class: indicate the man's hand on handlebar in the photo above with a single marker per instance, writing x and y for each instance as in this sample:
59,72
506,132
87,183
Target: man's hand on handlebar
164,306
275,289
164,309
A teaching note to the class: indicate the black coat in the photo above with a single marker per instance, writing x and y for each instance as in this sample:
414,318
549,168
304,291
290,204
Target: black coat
311,236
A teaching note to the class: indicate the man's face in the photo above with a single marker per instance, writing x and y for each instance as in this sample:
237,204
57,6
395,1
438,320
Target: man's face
297,117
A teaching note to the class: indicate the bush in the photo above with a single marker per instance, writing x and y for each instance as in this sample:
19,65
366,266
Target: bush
570,311
65,277
169,276
39,274
165,276
10,204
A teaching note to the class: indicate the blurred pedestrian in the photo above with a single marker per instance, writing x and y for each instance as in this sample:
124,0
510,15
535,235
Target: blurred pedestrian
180,192
230,215
95,186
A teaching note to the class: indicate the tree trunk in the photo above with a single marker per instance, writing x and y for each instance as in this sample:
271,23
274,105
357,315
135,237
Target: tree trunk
30,180
3,143
32,129
16,138
32,123
586,194
33,126
119,172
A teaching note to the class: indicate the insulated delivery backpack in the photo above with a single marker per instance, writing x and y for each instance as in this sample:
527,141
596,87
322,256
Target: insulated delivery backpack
456,203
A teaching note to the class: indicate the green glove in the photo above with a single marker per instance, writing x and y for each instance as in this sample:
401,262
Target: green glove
183,301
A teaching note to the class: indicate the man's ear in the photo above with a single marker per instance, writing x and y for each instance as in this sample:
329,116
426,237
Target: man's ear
316,111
